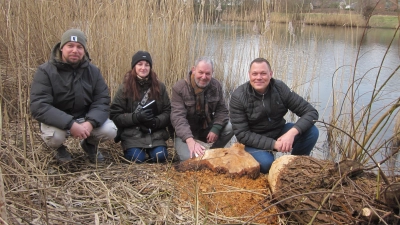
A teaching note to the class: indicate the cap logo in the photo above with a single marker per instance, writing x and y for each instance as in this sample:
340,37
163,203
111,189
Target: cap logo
74,38
144,56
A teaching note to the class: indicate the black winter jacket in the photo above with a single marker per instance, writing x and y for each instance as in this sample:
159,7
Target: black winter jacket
257,119
122,114
60,93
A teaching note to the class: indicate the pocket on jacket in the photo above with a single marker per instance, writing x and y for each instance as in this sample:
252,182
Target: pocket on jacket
161,135
131,133
190,106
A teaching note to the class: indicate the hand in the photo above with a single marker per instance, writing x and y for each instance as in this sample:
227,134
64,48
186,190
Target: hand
79,131
88,126
285,142
144,115
195,148
212,137
152,124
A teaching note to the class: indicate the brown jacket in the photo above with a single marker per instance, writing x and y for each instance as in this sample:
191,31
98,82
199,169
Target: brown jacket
183,103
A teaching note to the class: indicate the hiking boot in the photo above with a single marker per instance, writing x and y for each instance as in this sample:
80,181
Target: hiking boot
92,152
62,155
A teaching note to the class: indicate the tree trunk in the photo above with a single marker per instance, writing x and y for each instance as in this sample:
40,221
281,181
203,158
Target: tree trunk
322,192
233,161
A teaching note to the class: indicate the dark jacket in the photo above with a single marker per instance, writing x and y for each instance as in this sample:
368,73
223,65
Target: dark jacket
60,93
122,113
257,119
183,103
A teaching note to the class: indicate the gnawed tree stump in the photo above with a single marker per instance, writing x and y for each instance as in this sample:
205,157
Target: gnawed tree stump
322,192
233,161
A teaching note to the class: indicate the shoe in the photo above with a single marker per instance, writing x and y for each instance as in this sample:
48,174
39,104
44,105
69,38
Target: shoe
92,152
63,156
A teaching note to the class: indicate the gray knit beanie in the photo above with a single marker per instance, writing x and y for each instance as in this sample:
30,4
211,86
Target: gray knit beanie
141,55
74,35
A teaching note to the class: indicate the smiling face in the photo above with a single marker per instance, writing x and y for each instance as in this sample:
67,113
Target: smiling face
72,53
260,75
142,68
202,74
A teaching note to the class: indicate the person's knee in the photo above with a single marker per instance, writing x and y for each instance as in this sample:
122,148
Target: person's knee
227,130
56,139
183,154
314,133
182,149
159,154
265,164
109,130
264,167
135,155
264,158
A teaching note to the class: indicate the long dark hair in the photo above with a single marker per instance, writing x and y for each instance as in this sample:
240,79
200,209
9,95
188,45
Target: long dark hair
131,86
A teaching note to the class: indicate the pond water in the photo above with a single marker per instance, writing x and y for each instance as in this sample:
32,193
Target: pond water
324,57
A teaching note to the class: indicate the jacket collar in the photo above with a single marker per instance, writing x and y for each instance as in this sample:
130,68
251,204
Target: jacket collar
55,58
251,90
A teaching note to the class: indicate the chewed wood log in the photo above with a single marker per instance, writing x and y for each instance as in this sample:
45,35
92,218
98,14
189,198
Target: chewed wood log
325,192
233,161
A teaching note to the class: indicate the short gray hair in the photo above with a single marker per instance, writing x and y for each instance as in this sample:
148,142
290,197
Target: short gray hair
206,60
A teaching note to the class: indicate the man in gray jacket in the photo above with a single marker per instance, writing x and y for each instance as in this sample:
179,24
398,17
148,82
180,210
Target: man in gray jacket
257,109
198,111
69,97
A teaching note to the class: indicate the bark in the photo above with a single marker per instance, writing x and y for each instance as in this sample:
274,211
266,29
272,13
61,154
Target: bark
322,192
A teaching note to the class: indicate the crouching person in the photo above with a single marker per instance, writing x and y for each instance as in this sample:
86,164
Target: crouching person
142,130
70,98
199,112
257,110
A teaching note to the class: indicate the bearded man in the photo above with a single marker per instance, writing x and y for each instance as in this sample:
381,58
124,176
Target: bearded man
70,98
199,112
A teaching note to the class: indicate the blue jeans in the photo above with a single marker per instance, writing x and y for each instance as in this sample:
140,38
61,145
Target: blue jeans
157,154
303,144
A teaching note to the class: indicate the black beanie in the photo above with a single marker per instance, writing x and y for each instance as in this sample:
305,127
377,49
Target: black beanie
139,56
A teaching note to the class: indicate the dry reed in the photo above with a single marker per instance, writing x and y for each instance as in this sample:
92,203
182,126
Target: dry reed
40,192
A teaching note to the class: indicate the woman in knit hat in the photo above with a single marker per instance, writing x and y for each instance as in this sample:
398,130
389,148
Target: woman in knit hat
142,131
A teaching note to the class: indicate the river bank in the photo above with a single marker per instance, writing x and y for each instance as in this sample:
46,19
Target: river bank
324,18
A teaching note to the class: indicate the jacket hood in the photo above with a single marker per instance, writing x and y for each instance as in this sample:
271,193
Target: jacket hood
55,56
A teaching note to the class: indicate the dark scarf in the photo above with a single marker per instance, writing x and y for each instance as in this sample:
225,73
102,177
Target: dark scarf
201,103
143,81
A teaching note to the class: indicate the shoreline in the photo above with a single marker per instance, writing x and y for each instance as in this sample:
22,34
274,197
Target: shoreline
327,19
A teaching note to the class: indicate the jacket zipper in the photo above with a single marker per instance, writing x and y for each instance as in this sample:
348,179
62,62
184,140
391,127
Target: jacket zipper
262,100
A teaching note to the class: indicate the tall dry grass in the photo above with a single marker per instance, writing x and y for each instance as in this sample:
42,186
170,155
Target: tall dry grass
175,33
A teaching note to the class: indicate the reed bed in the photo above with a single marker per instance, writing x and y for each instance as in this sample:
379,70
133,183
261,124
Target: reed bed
175,32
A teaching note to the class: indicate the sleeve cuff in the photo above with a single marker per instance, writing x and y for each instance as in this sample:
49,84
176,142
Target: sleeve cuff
92,122
69,125
216,129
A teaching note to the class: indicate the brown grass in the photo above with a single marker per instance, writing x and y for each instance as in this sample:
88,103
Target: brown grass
39,191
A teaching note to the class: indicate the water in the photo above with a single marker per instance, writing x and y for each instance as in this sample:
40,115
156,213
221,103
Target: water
324,57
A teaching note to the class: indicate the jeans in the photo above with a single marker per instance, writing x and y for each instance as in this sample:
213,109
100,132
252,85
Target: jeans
303,144
182,149
138,155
